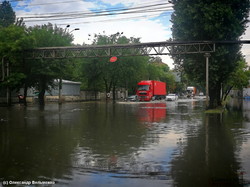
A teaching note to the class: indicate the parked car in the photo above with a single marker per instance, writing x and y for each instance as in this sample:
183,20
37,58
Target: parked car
132,98
171,97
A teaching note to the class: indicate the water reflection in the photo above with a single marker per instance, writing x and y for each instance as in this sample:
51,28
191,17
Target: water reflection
137,144
33,145
240,105
212,157
152,112
117,141
246,109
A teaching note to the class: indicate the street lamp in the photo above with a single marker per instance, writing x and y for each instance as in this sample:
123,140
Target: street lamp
67,26
76,29
60,80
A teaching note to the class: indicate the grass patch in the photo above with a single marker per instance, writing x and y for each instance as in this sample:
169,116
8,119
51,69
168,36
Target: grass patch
218,110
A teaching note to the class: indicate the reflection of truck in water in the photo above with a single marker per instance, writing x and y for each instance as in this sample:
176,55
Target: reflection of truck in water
150,89
152,112
191,91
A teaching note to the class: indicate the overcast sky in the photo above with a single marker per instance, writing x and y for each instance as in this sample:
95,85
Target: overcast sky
146,19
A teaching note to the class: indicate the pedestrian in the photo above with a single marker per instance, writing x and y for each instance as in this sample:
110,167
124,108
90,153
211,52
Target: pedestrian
20,98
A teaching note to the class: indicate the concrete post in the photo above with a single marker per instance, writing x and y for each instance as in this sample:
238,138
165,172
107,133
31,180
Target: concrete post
60,91
207,55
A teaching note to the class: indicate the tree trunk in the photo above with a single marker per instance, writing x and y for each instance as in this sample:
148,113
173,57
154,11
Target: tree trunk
214,97
8,91
25,95
3,69
108,86
41,97
8,96
42,88
113,92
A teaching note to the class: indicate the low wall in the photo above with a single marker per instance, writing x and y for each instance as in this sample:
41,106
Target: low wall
84,96
16,100
246,93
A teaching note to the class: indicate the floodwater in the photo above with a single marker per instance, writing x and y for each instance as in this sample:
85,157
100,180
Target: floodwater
125,144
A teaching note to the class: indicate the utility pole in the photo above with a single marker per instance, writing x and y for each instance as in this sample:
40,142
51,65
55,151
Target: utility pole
207,55
60,79
8,99
60,90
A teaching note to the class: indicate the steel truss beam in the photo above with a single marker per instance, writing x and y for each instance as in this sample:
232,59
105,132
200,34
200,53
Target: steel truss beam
141,49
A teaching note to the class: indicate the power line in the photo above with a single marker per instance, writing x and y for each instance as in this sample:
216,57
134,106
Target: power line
62,2
113,20
139,11
162,7
97,11
87,15
94,16
42,4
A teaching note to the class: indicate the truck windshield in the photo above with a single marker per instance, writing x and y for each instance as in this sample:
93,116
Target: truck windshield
143,87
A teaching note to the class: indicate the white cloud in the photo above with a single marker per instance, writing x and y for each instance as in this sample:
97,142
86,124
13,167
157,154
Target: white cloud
48,6
132,2
147,29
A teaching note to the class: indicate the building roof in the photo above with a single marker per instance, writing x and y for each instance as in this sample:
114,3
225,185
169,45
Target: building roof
66,81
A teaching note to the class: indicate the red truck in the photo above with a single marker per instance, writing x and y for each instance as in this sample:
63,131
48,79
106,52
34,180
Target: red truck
150,89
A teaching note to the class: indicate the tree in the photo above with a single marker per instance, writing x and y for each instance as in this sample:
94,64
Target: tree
210,20
127,71
7,15
157,70
132,70
41,73
13,40
123,73
91,76
239,78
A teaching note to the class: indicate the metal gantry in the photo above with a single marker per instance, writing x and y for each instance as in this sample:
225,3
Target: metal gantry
140,49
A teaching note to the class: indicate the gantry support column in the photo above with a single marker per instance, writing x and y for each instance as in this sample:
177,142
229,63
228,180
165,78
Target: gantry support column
207,55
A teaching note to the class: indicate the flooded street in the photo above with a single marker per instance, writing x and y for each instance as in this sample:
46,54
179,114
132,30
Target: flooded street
126,144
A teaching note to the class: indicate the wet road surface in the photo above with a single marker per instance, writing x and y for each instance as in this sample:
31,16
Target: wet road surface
126,144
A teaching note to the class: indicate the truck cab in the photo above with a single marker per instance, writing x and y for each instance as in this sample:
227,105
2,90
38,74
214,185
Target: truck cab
191,91
144,91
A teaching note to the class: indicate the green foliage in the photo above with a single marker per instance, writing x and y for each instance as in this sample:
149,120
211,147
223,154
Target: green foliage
14,80
101,75
157,70
91,75
41,73
131,70
7,15
240,77
50,36
104,75
210,20
13,40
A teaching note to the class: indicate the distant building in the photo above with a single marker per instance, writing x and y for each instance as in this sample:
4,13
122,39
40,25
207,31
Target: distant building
69,88
70,92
